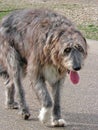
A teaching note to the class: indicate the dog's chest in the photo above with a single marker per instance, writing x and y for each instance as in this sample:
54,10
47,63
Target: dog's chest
51,74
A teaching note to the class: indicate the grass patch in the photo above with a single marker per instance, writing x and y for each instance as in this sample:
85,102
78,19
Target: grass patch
90,31
3,13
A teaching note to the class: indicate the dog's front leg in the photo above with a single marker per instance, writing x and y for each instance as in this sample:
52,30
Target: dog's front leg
57,121
45,99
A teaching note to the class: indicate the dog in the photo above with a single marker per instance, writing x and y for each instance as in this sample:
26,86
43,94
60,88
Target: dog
45,46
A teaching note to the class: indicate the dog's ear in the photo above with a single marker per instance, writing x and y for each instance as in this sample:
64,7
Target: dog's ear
56,35
86,46
49,38
79,35
60,33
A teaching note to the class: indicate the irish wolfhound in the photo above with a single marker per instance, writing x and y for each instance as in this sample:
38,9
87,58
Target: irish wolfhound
46,46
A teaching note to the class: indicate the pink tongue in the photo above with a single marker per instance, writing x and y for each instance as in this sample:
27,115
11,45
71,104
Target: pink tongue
74,77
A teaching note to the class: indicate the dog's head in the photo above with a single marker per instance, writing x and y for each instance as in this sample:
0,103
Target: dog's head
70,52
73,52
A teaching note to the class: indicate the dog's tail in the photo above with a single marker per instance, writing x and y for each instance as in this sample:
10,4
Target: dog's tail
3,72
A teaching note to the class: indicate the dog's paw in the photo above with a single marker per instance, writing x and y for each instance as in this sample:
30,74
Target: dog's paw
59,123
25,114
45,115
13,105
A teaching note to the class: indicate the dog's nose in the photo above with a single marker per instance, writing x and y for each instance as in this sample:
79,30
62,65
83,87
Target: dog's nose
77,68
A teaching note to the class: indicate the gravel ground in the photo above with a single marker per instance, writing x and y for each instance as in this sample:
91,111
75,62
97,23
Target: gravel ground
84,13
80,11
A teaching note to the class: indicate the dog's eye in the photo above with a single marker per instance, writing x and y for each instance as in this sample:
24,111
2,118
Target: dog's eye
80,48
67,50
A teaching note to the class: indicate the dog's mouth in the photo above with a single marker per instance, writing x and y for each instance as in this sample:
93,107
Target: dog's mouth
74,76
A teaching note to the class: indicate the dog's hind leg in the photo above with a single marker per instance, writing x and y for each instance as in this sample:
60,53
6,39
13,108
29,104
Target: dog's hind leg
56,114
10,89
10,95
14,71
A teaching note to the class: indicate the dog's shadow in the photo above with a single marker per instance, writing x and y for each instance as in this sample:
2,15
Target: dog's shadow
76,121
81,121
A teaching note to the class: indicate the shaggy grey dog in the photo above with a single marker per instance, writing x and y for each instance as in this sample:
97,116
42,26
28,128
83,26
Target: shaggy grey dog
46,46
